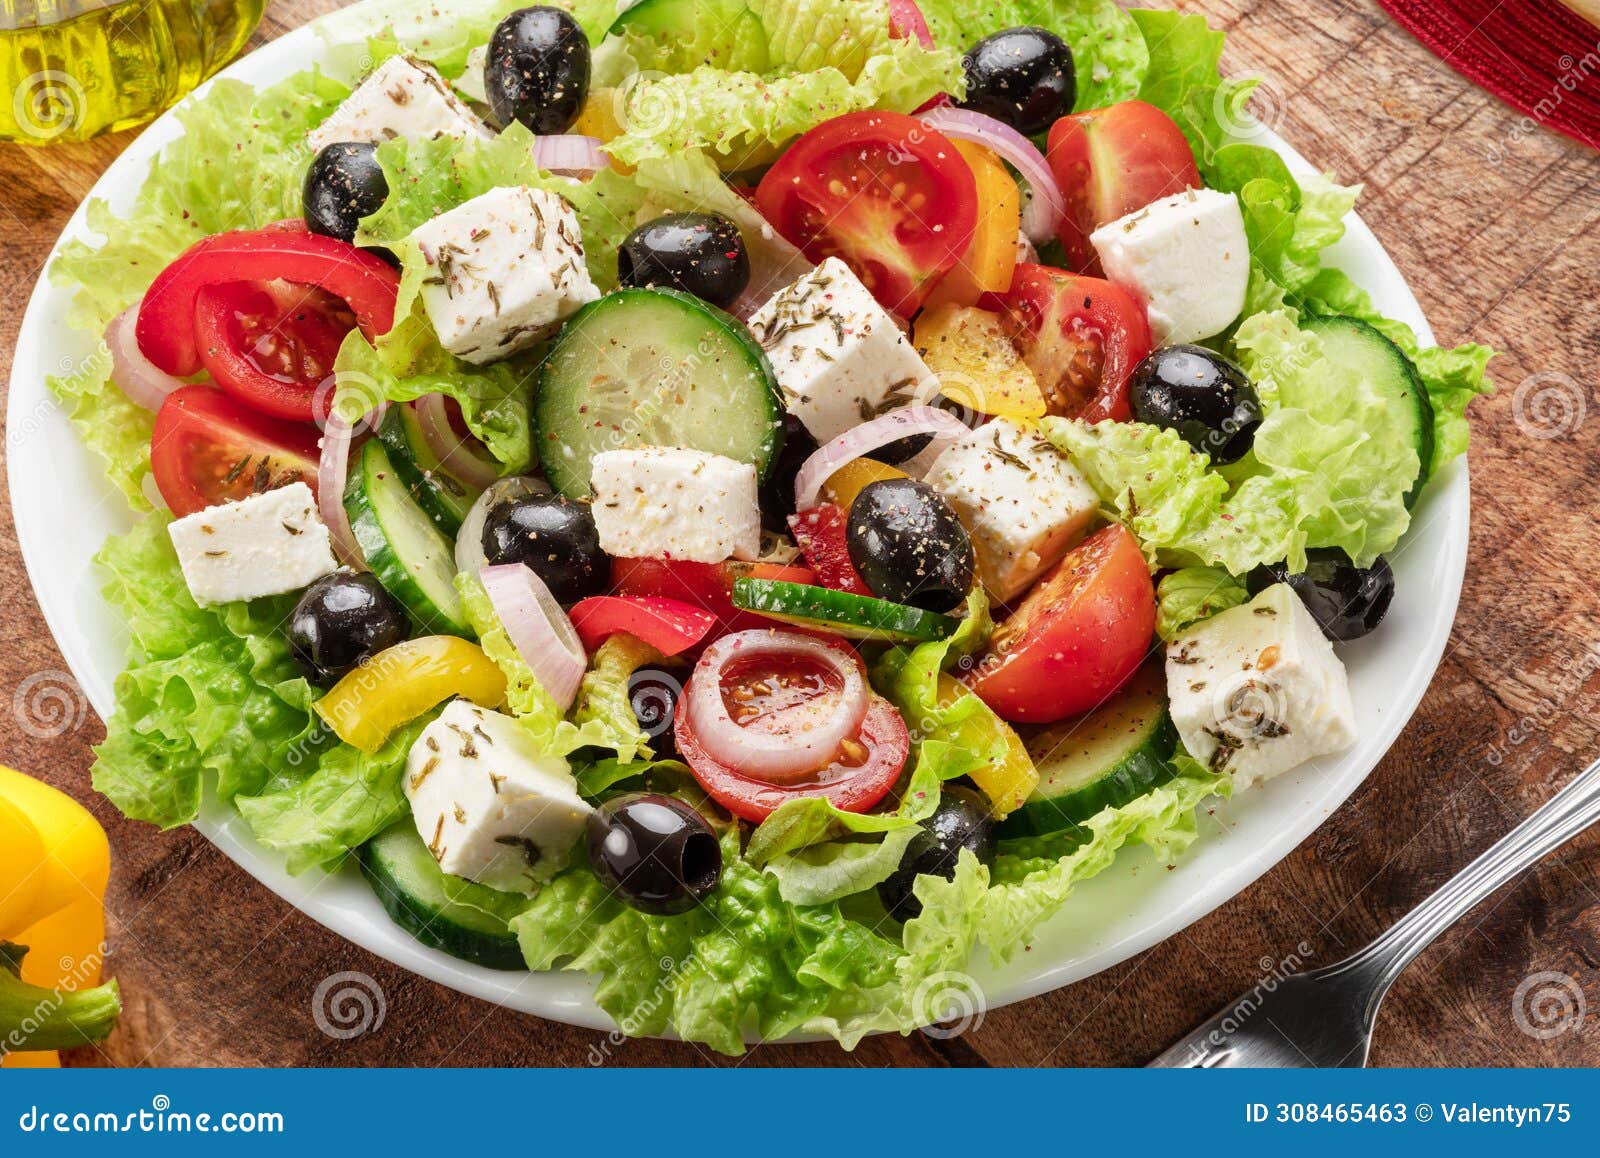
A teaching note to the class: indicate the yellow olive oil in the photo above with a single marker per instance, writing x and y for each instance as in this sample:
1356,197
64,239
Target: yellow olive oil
76,68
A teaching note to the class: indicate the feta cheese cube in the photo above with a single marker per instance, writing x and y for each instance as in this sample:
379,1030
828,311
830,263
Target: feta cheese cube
1257,690
489,805
508,266
401,98
267,544
657,502
840,357
1186,257
1021,500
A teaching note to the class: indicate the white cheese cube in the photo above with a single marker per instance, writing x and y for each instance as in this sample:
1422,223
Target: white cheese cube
1021,500
267,544
489,805
1186,257
840,357
1257,690
658,502
507,267
401,98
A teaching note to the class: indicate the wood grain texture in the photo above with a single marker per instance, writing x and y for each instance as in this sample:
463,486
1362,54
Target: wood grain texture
1496,228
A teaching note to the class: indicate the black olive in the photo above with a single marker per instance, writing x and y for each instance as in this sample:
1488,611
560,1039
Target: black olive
538,70
962,821
777,489
344,184
555,537
1023,77
342,619
654,853
908,545
1208,400
699,253
653,695
902,450
1346,601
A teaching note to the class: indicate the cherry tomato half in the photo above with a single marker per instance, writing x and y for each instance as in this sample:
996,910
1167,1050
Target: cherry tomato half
906,22
820,534
208,449
166,328
1082,338
1110,162
1078,636
705,585
271,346
859,779
883,192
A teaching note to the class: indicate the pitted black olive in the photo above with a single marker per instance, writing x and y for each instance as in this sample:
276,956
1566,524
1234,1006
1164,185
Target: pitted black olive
699,253
555,537
654,852
1346,601
1208,400
1023,77
963,821
538,70
344,184
342,619
908,546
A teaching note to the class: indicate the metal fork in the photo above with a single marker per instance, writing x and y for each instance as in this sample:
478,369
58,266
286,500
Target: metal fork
1325,1017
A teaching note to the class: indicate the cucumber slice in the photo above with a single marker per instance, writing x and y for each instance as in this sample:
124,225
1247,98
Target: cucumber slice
853,616
410,556
414,893
1106,759
1353,344
442,497
653,368
681,35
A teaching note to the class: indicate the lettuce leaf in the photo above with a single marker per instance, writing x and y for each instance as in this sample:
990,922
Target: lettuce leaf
1191,594
604,699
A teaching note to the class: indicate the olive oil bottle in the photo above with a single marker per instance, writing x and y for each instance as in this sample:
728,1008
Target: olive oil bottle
77,68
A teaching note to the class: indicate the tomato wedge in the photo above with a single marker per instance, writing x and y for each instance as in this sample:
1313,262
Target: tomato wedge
704,585
1112,161
906,22
271,346
1078,636
883,192
854,783
820,533
671,626
1082,338
166,329
208,449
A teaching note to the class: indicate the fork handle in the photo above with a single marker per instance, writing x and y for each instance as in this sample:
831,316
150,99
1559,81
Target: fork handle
1564,816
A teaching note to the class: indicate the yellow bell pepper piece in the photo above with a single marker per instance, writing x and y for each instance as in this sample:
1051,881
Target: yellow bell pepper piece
852,478
977,363
599,119
398,685
55,863
1006,782
990,263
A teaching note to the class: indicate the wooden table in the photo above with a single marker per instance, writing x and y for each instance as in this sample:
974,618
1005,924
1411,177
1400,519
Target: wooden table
1495,226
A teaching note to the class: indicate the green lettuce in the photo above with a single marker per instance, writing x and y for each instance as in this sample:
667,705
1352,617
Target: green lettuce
604,699
1191,594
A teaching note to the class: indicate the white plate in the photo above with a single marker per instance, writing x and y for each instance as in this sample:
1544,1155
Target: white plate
64,509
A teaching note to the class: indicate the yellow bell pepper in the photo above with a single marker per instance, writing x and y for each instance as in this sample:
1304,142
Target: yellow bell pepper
977,363
599,119
399,684
990,262
54,865
1007,782
853,477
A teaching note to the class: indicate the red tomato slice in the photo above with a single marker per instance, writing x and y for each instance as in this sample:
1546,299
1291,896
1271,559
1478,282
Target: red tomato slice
854,782
166,329
271,346
1112,161
1078,636
208,449
906,22
1082,338
671,626
704,585
820,533
882,191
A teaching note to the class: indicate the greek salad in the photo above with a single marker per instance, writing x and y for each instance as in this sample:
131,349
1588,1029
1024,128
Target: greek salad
752,499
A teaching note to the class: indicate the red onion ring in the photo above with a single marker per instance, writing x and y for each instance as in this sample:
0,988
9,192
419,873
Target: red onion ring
570,155
461,457
332,470
144,383
868,437
470,557
540,631
1042,219
781,756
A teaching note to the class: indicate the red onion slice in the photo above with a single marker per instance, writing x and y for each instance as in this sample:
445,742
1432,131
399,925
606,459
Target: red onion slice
332,470
1047,208
775,264
470,558
868,437
782,755
144,383
540,631
570,155
465,459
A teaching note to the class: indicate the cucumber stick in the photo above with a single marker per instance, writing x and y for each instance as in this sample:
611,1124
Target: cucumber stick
442,497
